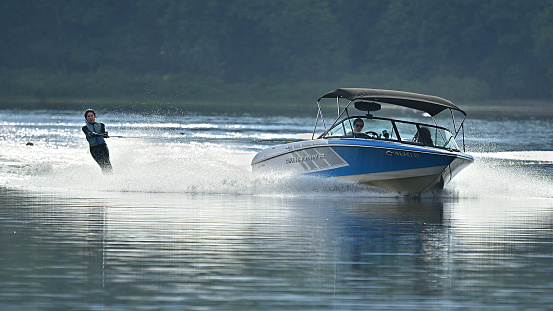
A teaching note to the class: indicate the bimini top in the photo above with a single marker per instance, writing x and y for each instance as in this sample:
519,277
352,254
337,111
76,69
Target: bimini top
429,104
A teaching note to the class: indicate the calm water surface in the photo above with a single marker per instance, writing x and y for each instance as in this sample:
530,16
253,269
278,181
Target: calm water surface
184,225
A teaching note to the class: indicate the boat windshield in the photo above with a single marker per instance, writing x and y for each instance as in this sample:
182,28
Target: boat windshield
394,130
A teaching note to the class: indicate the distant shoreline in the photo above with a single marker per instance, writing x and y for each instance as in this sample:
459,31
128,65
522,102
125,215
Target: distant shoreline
516,108
213,106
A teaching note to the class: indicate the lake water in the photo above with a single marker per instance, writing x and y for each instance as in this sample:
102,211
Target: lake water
183,224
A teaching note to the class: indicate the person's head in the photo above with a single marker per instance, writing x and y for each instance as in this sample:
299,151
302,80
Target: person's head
90,115
423,136
358,125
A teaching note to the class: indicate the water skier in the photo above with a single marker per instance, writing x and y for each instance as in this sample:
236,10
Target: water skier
95,135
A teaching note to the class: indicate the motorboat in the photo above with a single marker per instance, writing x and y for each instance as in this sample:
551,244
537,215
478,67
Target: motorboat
405,155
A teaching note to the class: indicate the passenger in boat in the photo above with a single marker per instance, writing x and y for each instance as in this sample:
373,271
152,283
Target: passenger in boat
424,137
95,135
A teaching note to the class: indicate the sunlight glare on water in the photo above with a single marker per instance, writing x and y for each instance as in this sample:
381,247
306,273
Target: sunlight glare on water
184,224
203,154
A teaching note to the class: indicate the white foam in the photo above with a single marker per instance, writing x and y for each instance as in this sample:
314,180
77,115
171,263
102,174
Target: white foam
492,177
216,168
200,168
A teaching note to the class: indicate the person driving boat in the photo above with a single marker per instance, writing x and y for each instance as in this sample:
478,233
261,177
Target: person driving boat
358,125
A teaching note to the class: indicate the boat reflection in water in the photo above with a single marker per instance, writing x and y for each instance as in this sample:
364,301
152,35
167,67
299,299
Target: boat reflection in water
224,252
402,155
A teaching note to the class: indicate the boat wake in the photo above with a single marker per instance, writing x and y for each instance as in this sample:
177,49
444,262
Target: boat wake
519,174
522,157
206,168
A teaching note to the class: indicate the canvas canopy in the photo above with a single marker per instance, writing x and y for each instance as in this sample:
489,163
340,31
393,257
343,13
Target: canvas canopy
429,104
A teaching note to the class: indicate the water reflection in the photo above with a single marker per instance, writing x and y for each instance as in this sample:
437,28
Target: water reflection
504,248
170,251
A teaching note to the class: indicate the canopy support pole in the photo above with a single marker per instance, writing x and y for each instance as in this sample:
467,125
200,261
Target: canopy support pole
319,113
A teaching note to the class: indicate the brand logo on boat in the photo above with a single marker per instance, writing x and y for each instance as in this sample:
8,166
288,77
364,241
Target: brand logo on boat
305,158
402,153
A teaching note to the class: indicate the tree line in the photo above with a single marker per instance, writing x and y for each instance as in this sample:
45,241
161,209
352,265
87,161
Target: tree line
193,49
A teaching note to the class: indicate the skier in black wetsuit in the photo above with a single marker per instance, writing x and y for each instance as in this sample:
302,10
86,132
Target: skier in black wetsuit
95,133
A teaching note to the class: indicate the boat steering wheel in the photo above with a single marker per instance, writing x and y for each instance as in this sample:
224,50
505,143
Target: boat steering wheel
372,134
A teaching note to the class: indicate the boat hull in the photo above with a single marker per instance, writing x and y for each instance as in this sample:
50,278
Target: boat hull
387,164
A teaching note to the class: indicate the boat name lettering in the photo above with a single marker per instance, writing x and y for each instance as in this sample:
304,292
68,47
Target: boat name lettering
305,158
402,153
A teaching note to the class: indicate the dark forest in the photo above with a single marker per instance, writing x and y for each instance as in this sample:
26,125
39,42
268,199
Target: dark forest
178,51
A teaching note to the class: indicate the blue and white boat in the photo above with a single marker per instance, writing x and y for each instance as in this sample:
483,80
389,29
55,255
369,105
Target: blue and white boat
403,155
